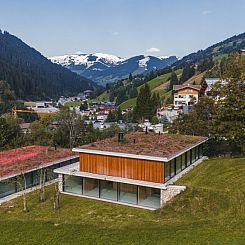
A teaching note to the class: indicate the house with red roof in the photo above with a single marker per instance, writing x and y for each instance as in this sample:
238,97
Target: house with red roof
186,94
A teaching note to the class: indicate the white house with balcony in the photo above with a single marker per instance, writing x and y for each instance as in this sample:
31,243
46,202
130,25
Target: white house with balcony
186,94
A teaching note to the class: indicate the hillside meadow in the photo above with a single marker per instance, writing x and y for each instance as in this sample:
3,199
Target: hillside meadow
210,211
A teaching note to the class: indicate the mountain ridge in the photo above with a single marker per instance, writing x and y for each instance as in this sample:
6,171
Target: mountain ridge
31,75
106,68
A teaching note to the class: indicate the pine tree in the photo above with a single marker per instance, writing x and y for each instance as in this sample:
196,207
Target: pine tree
130,78
146,104
173,80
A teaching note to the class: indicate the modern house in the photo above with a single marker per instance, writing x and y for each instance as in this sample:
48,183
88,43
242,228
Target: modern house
186,94
23,166
135,169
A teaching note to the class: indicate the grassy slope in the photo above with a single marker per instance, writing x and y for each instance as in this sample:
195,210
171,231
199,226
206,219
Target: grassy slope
128,103
211,211
73,103
102,97
156,85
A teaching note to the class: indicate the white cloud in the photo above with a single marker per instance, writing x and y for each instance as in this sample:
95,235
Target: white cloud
206,12
153,50
115,33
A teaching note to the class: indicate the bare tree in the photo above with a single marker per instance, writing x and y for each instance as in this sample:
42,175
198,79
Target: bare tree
56,201
73,122
21,183
42,182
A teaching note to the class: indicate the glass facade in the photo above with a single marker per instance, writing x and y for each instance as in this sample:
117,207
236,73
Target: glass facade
167,170
183,161
73,184
7,188
176,165
110,190
91,187
188,153
149,197
172,164
128,193
32,178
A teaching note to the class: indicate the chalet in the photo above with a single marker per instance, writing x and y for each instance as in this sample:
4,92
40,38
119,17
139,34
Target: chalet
25,165
186,94
208,84
136,169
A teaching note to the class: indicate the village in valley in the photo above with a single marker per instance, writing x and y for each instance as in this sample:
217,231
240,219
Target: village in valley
98,148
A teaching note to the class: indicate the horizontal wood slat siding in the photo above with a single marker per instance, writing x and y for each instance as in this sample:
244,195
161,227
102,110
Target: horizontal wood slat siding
139,169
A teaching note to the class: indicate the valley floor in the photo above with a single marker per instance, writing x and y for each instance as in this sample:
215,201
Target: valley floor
210,211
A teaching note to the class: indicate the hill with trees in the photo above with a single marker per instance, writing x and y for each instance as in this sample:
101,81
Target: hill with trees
31,76
222,117
230,45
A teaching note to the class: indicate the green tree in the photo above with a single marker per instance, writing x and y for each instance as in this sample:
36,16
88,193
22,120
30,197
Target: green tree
84,106
119,114
73,123
173,80
133,92
164,121
130,78
197,121
154,120
143,108
228,122
112,117
9,131
187,73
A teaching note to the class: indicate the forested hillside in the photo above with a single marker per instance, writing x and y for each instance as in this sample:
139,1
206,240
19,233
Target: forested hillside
32,76
230,45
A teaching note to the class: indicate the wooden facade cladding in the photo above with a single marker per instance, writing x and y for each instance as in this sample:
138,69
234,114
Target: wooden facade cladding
145,170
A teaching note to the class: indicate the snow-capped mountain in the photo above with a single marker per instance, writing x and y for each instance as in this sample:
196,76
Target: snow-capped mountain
106,68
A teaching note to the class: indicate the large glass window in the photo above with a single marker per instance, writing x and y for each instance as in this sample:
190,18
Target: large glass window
149,197
128,193
167,171
197,153
73,184
50,175
178,164
200,151
193,155
172,163
36,177
7,188
188,161
91,187
29,179
108,190
183,161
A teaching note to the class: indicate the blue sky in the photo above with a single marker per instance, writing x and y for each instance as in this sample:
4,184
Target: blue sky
122,27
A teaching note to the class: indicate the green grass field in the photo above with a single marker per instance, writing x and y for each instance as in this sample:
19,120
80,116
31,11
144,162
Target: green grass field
128,103
73,103
210,211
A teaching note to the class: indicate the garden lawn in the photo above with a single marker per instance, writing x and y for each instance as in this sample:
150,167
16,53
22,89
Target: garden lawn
210,211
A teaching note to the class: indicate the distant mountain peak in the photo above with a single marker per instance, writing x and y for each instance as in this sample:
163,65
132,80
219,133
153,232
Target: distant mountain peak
105,68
